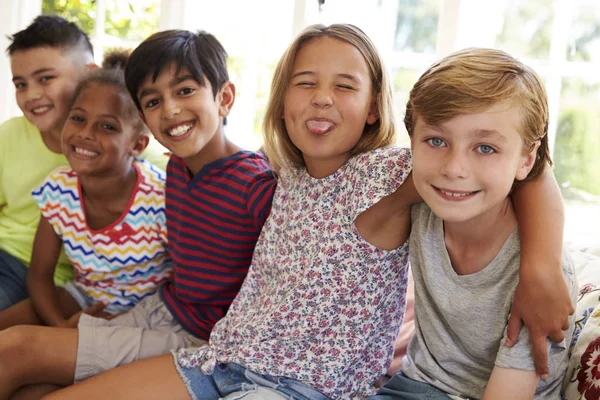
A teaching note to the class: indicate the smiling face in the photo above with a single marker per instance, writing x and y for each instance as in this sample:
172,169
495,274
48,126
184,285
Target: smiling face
184,116
99,138
328,101
45,79
465,168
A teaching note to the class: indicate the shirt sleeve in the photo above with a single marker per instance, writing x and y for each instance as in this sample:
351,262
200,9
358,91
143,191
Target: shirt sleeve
48,198
520,356
375,175
2,158
260,197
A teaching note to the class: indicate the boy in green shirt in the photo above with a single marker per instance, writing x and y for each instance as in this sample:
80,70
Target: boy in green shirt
47,60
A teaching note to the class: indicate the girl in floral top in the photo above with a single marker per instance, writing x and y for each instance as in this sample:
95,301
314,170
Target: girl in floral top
319,311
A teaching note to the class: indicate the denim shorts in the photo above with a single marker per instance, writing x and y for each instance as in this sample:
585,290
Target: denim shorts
13,280
233,382
401,387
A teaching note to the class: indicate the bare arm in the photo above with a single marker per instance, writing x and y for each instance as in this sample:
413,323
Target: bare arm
40,279
511,384
386,224
542,300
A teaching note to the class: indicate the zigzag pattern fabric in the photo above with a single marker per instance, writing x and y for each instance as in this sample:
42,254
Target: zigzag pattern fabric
123,262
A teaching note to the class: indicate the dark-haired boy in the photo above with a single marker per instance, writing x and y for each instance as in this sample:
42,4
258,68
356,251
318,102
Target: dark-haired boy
47,60
218,198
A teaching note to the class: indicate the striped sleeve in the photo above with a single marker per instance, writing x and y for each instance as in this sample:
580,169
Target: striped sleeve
260,197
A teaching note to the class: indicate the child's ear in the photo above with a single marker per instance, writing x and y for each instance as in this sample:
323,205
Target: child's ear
373,115
91,67
528,163
141,114
226,98
139,145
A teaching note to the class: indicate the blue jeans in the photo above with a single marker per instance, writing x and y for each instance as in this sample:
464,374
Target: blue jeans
13,280
400,387
232,381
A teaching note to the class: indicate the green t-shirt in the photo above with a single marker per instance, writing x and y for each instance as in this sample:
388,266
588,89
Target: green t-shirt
24,163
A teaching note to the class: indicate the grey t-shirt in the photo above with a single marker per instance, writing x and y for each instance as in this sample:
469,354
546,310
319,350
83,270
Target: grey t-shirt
461,320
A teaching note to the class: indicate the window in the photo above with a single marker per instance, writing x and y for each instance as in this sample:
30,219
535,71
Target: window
109,23
562,41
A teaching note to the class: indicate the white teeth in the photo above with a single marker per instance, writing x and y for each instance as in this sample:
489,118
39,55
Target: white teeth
451,194
180,130
85,152
40,110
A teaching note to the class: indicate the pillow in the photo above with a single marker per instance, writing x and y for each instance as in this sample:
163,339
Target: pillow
582,381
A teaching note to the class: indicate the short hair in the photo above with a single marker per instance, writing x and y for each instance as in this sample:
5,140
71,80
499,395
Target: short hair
51,31
473,79
111,74
278,146
201,53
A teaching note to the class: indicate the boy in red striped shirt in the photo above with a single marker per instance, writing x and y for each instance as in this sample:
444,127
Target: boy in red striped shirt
218,197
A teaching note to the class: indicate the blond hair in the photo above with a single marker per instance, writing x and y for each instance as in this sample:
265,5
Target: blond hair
474,79
279,148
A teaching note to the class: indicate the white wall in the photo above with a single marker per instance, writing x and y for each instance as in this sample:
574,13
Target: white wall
15,15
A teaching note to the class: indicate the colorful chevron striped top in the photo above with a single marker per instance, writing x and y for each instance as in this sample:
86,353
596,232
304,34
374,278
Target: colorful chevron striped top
123,262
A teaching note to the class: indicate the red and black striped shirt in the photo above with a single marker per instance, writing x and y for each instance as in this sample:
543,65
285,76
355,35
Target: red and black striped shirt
213,222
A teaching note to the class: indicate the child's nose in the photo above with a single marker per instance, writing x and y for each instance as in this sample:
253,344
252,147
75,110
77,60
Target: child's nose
455,166
87,132
34,93
322,98
170,109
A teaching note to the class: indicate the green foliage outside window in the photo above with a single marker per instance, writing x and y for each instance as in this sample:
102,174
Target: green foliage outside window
576,161
133,20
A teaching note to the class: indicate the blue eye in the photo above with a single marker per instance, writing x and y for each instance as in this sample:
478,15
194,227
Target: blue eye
435,142
485,149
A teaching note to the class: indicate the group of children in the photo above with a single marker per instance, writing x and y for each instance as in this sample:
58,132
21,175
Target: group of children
279,275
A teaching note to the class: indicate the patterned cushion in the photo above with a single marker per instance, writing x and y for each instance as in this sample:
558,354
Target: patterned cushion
582,381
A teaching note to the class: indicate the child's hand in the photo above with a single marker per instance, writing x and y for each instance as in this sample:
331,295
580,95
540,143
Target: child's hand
543,303
95,310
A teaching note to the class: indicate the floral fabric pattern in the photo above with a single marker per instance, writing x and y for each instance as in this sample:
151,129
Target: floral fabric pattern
319,304
582,381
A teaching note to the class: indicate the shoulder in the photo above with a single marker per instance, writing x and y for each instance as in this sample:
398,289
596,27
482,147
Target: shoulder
425,225
251,161
62,180
389,158
421,211
388,167
14,128
250,167
152,174
63,174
